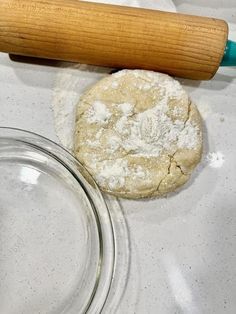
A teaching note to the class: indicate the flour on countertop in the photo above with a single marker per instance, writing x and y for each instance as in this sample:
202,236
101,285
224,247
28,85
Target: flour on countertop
204,109
215,159
71,81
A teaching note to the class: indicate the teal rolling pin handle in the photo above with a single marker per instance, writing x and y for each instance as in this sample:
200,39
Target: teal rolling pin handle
229,58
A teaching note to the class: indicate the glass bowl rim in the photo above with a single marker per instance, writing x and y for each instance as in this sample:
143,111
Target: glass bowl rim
107,250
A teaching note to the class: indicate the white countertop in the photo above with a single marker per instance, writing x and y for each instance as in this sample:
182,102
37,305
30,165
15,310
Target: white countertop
183,247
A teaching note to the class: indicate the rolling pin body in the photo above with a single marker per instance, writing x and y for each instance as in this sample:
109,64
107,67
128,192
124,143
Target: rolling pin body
115,36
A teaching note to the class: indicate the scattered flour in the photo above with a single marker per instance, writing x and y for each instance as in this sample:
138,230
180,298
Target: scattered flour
126,108
115,173
98,113
99,134
188,137
215,160
114,143
71,82
114,84
121,125
93,143
177,111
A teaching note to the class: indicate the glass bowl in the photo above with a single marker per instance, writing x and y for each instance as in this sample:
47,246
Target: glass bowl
57,246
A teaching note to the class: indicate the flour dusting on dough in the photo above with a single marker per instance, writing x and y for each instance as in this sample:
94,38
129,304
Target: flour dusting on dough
98,113
144,134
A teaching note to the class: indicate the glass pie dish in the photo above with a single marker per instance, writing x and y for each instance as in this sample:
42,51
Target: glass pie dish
57,241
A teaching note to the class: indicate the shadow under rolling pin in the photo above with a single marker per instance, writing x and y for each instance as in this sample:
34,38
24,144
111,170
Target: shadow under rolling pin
116,36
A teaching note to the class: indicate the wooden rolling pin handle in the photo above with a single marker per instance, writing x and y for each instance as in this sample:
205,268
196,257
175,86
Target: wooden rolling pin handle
114,36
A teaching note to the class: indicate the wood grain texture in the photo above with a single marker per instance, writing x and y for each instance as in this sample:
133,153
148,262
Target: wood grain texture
114,36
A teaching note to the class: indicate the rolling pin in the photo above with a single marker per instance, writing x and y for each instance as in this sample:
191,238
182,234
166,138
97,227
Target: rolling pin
115,36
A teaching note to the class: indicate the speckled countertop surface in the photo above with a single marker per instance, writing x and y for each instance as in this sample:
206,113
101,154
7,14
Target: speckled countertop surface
183,247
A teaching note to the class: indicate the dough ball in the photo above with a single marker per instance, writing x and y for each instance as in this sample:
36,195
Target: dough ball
138,134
